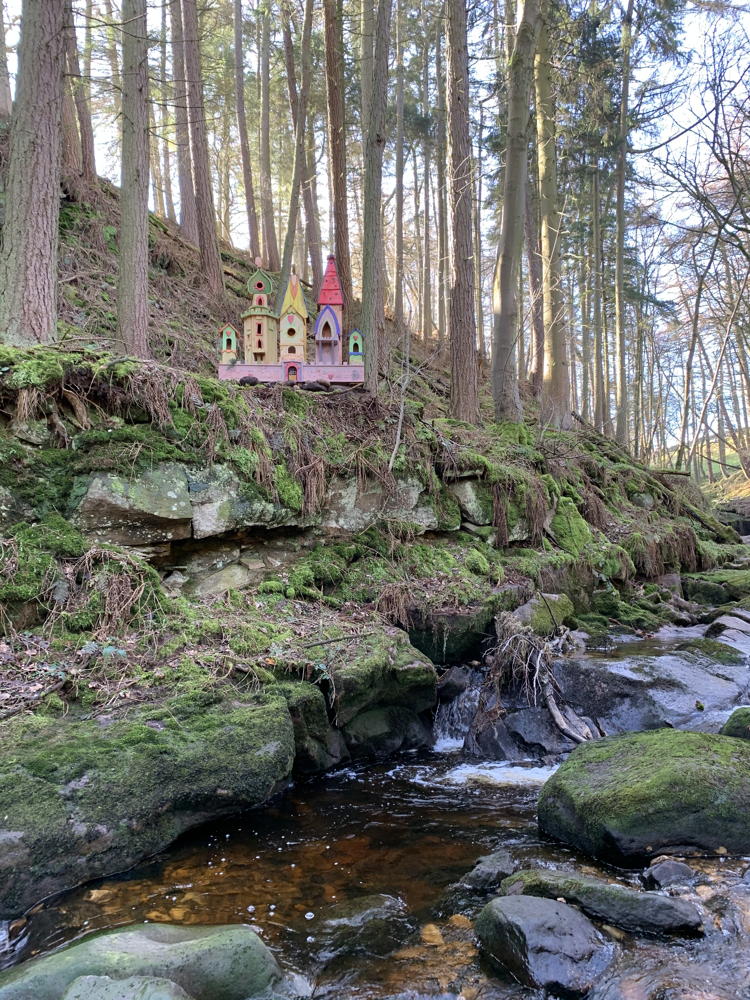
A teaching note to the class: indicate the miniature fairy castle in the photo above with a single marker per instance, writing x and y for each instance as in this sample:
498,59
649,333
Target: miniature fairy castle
274,342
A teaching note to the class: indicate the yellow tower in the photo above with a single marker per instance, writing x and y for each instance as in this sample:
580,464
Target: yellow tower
293,323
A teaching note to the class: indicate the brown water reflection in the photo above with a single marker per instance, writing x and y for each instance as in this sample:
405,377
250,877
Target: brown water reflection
402,829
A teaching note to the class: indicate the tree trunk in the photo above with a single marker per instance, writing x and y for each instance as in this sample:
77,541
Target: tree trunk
556,380
307,179
188,211
398,271
601,395
462,330
505,306
300,140
28,254
164,118
536,296
204,201
337,148
442,156
270,244
247,168
6,101
372,289
427,155
83,110
132,286
71,144
621,424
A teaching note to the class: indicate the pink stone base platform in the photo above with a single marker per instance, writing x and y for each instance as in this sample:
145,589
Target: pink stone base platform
346,374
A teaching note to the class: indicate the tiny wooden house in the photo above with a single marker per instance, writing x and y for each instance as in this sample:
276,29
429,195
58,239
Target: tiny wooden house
356,355
293,323
328,334
260,324
228,337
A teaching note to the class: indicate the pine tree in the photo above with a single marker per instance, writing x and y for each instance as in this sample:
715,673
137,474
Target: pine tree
28,254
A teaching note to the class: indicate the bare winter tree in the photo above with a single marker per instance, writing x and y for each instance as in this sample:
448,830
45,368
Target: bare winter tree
28,254
132,286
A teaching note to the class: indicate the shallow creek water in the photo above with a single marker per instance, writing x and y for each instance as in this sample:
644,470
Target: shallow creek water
409,828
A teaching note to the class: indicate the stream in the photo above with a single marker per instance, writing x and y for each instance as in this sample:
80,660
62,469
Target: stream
410,828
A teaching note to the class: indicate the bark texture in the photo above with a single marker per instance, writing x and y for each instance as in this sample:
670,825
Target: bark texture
462,331
505,286
28,255
270,243
247,167
132,287
337,147
204,201
188,213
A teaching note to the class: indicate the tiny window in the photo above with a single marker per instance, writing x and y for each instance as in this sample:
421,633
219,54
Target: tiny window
260,344
292,374
261,300
292,349
259,284
229,344
259,328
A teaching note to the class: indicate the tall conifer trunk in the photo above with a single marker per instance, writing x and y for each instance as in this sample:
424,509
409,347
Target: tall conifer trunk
247,167
28,253
268,224
188,211
132,287
462,330
204,200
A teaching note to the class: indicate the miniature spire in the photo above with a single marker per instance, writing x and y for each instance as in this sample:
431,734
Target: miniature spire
330,290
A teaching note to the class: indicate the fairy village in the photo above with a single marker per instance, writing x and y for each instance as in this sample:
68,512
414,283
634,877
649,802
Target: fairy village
273,346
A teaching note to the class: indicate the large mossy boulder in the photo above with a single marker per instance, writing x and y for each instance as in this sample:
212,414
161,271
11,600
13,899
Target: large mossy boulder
545,944
83,798
717,587
641,912
208,963
628,798
738,724
545,613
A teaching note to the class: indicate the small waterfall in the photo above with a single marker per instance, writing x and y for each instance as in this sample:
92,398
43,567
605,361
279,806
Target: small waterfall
453,718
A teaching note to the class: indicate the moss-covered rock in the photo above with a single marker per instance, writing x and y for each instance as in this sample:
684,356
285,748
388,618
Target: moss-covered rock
84,798
212,963
738,724
383,669
382,731
318,746
713,649
132,988
718,587
641,912
545,613
628,798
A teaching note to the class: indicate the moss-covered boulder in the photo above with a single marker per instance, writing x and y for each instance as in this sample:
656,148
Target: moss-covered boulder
318,745
641,912
738,724
718,587
209,963
383,669
545,613
629,798
386,730
82,798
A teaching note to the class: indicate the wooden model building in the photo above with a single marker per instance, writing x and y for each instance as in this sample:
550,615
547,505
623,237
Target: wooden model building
274,343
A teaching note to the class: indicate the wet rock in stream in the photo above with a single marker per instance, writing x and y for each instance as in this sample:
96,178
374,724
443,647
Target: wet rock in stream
626,798
544,943
640,912
668,872
371,925
132,988
212,963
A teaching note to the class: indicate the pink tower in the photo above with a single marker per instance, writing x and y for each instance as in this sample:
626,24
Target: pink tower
328,332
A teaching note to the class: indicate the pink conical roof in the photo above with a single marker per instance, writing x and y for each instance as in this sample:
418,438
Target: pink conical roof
330,290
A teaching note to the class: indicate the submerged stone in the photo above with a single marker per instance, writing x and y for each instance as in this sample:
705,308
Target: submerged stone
371,925
209,963
641,912
132,988
545,944
631,797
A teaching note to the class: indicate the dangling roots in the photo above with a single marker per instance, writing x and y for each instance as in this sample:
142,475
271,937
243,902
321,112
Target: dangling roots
524,659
